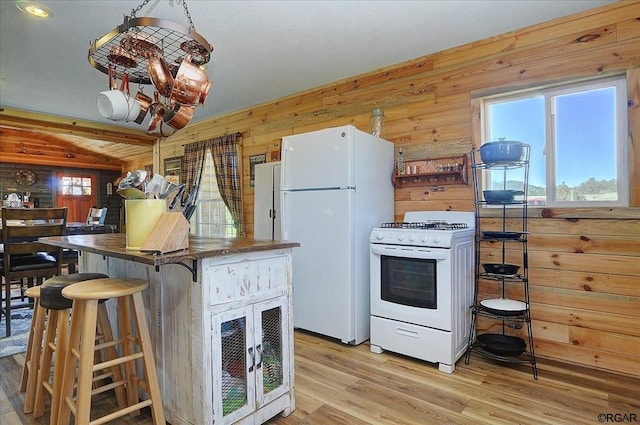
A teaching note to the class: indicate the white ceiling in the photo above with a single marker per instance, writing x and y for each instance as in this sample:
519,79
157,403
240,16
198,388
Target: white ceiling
262,49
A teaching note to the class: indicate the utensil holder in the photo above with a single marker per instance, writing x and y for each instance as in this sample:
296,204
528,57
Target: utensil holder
141,215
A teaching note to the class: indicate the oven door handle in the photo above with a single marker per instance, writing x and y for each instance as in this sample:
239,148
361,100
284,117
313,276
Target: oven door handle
411,252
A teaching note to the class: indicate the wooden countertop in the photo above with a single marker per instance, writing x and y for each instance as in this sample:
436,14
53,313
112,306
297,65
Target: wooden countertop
114,245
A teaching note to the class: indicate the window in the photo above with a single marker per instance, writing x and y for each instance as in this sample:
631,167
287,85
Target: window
212,217
75,186
578,135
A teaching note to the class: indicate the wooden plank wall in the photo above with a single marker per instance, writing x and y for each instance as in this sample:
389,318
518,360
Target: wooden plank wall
584,265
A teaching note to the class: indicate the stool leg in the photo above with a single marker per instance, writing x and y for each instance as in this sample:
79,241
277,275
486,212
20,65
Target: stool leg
85,370
33,364
150,371
45,366
124,314
104,327
69,374
37,310
61,341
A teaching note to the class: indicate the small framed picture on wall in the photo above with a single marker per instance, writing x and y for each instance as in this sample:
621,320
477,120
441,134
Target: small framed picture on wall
253,160
173,169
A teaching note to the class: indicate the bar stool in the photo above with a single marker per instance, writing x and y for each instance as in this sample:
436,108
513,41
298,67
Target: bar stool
80,352
56,340
40,323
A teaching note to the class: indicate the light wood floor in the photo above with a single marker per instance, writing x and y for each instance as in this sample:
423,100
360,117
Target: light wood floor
338,384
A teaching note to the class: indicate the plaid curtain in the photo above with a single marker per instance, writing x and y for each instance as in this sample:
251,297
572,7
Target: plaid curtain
192,165
225,160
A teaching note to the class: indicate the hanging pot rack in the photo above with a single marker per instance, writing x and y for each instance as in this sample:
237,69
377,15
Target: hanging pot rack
172,41
145,51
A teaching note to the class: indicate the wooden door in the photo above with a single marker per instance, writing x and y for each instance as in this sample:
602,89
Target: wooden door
78,192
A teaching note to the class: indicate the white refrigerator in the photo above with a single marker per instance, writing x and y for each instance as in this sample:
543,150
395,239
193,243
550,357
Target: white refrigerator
335,188
266,201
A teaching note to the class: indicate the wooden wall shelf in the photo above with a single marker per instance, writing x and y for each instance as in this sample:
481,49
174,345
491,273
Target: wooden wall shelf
433,172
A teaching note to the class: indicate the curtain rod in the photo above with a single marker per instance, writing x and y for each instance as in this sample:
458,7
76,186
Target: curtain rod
238,134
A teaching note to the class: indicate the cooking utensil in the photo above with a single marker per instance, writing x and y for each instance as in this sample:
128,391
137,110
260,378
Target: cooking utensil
160,75
119,56
503,235
501,151
145,102
131,193
141,44
176,199
189,211
117,104
133,179
154,186
179,116
498,268
503,306
502,345
500,196
191,85
157,115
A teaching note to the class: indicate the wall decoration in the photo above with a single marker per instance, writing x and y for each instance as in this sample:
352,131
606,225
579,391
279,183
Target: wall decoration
274,148
12,200
173,169
253,160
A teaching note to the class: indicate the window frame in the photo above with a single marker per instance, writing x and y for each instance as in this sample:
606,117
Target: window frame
198,220
549,92
80,176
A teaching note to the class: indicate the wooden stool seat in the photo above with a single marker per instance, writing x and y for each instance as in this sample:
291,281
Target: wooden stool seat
86,297
44,322
105,288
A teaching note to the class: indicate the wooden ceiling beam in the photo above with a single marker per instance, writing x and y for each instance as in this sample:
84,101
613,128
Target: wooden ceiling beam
15,118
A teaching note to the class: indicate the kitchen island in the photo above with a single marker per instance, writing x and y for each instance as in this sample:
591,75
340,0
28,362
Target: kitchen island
220,317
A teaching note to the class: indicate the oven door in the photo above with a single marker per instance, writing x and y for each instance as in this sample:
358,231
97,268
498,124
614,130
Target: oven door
411,284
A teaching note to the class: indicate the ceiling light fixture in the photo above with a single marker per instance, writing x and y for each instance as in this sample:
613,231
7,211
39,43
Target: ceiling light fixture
34,9
153,51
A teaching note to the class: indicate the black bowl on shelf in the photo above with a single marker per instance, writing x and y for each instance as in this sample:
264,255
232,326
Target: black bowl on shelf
502,345
490,234
500,268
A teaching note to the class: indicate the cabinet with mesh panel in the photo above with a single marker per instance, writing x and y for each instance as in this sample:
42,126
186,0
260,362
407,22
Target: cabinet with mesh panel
251,358
222,331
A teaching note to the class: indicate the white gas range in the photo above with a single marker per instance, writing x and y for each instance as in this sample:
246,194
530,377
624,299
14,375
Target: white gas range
422,274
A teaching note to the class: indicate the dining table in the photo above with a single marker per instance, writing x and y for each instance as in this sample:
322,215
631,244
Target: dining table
75,228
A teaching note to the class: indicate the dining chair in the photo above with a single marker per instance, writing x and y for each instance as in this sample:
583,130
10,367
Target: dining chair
24,257
96,216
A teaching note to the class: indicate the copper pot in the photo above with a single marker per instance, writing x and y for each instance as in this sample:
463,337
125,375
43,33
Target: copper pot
179,116
157,110
145,102
191,85
160,75
141,44
120,56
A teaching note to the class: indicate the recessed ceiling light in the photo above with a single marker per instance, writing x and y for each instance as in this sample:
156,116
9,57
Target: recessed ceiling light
34,9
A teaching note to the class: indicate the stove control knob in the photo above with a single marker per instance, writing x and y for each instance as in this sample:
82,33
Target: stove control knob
412,238
379,236
436,239
400,237
424,238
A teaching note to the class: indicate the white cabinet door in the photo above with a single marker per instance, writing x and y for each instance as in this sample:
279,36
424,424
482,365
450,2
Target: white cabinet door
273,377
233,364
251,358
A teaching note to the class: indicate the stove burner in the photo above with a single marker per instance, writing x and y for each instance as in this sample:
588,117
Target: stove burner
432,224
403,225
